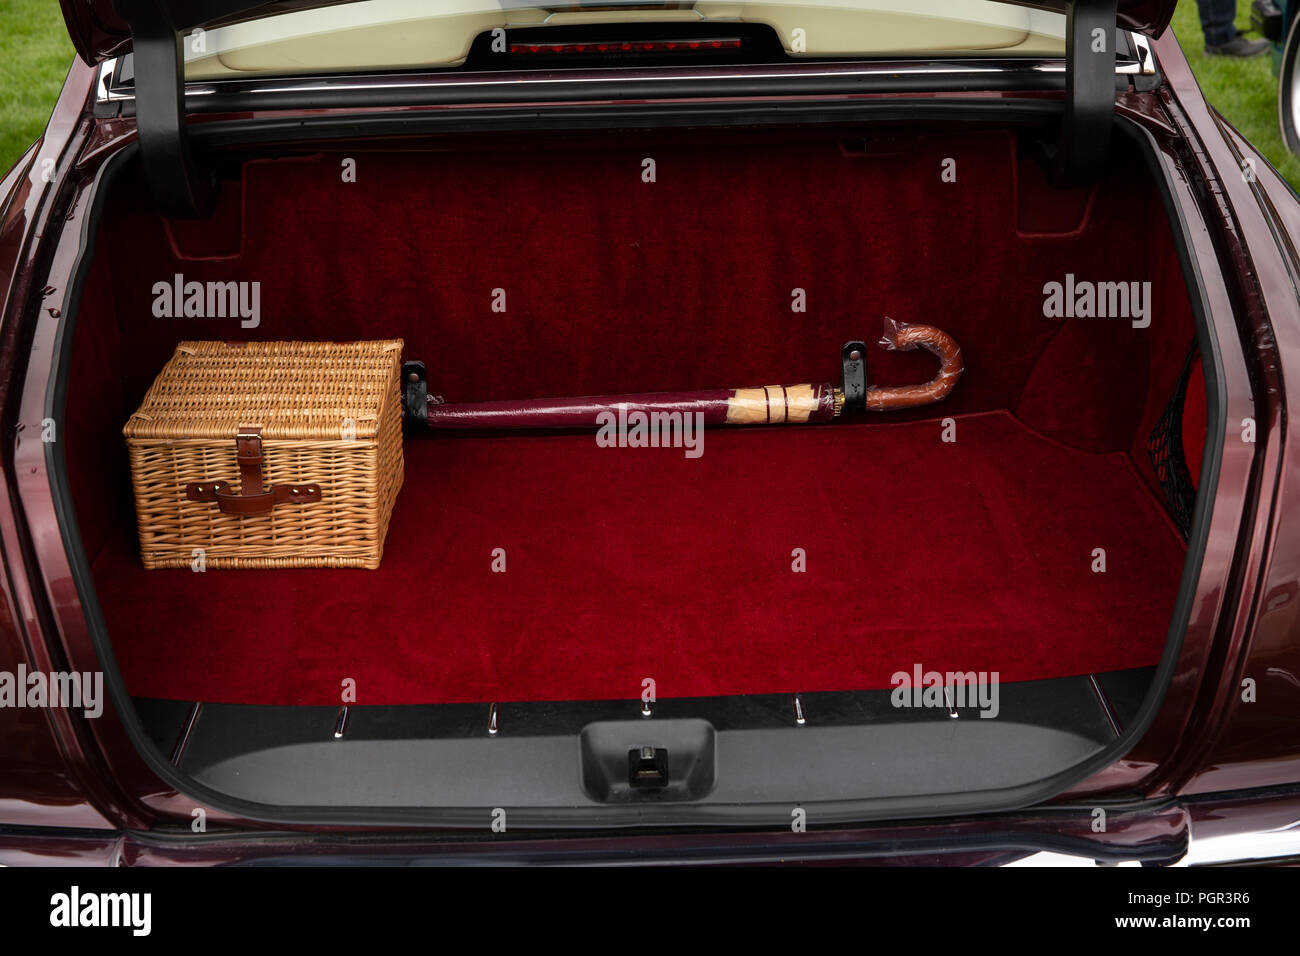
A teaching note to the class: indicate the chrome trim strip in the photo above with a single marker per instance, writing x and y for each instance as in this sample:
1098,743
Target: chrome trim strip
101,80
107,89
511,83
947,699
1103,701
1146,60
191,718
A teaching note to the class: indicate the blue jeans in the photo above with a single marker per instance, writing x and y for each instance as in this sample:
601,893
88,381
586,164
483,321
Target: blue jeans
1217,18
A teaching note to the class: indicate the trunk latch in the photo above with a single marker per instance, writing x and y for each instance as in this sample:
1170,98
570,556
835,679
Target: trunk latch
647,767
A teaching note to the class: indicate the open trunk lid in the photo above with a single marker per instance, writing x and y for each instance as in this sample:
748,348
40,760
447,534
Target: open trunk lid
104,28
183,187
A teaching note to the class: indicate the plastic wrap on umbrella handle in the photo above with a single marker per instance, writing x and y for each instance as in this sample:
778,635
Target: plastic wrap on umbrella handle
902,337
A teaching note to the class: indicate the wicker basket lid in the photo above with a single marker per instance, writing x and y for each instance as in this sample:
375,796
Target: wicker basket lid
293,390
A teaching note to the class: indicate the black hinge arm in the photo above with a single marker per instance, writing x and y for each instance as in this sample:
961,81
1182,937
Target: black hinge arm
180,187
1084,141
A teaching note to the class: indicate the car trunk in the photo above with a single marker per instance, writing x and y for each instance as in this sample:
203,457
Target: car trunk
1031,527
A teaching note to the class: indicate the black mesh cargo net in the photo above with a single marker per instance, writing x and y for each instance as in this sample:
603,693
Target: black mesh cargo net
1165,447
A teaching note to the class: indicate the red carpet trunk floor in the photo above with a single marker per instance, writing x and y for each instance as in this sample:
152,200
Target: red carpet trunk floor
628,564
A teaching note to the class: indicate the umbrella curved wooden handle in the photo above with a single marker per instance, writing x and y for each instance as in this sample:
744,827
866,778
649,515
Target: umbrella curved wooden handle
904,338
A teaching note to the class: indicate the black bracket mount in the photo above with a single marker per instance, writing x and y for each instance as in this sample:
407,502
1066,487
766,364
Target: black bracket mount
853,358
181,188
415,395
1079,156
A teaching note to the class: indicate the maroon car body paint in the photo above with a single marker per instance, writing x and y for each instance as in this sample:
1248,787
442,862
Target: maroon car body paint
1210,762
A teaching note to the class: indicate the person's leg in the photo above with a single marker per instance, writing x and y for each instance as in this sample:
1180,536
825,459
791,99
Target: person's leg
1221,36
1217,20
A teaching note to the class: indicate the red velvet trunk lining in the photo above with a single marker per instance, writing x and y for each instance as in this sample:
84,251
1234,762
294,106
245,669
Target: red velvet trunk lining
623,565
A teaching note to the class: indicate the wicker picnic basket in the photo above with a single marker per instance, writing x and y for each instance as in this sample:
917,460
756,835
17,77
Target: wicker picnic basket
268,455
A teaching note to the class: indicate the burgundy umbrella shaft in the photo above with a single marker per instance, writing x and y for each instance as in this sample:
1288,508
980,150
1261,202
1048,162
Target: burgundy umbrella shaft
772,404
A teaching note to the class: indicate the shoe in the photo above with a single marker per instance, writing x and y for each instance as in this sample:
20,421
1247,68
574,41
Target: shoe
1238,47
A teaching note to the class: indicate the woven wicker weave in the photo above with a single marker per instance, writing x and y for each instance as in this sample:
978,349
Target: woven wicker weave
330,414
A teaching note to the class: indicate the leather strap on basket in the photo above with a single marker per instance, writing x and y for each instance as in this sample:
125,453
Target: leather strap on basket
252,499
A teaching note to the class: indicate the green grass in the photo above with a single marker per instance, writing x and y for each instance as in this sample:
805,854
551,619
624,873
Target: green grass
35,54
1244,91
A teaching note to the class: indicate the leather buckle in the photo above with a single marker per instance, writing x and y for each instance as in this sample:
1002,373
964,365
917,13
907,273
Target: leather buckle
252,498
